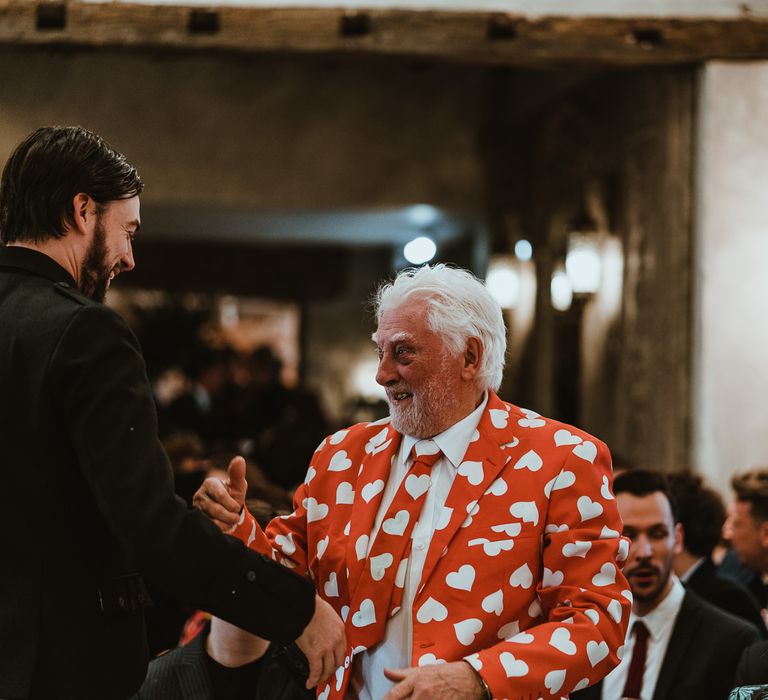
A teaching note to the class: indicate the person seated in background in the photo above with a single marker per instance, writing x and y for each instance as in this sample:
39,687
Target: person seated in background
678,645
471,546
701,513
747,526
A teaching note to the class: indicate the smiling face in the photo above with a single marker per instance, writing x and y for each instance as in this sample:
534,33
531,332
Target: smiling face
110,251
428,389
655,539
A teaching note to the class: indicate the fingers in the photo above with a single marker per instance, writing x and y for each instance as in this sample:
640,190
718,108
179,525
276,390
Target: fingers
316,670
213,499
236,482
404,689
323,642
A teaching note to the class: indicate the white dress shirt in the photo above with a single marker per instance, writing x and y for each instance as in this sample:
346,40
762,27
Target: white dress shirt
394,651
660,623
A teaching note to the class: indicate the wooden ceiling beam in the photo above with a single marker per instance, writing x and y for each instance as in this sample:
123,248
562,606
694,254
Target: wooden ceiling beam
486,38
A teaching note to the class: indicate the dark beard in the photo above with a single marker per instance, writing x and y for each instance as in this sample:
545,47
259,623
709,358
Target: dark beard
94,276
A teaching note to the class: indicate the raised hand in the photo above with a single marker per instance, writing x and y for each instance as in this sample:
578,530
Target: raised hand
222,499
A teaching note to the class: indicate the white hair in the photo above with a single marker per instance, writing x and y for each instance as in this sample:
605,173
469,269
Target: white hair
459,307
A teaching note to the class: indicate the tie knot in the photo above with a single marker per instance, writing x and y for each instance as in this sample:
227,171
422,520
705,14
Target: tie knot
425,452
640,630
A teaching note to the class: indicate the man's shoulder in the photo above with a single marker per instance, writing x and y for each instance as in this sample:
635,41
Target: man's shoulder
721,624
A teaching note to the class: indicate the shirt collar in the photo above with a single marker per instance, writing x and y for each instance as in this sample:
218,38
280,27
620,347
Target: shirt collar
664,614
454,441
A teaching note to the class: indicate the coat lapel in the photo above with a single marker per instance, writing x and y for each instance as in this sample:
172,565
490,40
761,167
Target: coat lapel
482,463
683,633
380,450
191,671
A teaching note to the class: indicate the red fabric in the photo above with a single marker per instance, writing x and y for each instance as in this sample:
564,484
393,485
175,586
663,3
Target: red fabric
521,577
634,684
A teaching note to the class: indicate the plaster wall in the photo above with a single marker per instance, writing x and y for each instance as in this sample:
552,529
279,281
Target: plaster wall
731,333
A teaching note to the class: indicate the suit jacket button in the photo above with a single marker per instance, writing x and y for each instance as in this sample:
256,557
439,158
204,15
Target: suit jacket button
251,576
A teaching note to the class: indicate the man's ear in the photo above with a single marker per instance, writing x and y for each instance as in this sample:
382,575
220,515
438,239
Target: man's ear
679,538
764,534
473,354
83,213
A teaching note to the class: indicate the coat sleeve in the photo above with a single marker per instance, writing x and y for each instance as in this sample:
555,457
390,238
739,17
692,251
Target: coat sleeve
584,597
98,383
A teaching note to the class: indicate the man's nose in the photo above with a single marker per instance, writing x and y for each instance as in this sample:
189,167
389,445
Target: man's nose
386,372
127,263
642,547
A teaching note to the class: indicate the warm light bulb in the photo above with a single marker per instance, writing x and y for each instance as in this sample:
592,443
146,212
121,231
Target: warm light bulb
420,250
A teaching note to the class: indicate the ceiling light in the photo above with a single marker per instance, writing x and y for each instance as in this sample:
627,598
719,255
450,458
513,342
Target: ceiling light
503,282
561,290
523,250
420,250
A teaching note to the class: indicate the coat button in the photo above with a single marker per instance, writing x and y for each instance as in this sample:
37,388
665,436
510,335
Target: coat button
251,576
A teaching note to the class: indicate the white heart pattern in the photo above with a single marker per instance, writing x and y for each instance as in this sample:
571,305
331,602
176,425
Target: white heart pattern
286,544
397,524
509,630
376,443
514,668
606,576
577,549
588,508
554,527
614,610
499,418
605,489
430,660
607,534
530,460
565,437
583,683
561,640
431,610
444,518
509,529
521,577
315,511
416,486
371,490
322,545
326,692
623,551
345,493
551,578
366,615
563,480
311,473
402,567
463,579
531,420
523,638
331,587
361,547
338,437
593,615
497,488
466,630
596,652
587,450
379,565
339,462
472,471
526,511
494,603
474,661
554,680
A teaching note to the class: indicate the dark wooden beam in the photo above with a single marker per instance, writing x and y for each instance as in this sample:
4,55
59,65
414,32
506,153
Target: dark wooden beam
469,37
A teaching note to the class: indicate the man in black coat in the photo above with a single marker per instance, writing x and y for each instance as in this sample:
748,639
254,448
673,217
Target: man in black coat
678,646
86,491
701,513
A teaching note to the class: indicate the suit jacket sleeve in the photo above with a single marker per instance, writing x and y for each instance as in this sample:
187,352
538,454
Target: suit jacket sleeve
584,596
97,378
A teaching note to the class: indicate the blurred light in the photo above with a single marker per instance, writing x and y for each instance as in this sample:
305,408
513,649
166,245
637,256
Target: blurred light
561,290
583,263
523,250
364,380
422,215
229,312
420,250
503,282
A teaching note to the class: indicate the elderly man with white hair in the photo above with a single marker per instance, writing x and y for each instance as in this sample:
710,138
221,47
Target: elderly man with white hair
469,545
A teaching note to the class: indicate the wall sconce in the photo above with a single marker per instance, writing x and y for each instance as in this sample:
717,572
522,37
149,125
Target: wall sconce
561,289
503,281
583,260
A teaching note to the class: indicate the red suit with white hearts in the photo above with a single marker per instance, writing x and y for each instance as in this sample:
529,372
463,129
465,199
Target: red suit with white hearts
522,581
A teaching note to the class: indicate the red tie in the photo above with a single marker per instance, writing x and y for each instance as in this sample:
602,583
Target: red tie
376,590
634,683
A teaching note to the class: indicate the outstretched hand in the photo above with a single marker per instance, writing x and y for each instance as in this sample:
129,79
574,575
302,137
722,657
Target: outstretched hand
446,681
222,500
323,642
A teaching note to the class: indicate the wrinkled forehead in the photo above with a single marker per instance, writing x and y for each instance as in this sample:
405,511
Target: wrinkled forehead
408,321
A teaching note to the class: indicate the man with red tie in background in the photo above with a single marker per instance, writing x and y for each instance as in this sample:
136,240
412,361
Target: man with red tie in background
470,546
678,645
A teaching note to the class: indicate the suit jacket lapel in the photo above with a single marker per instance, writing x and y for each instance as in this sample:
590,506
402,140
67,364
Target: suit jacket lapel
376,464
482,463
191,671
683,633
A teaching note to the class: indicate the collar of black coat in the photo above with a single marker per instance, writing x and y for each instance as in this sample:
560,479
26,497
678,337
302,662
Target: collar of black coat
35,262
